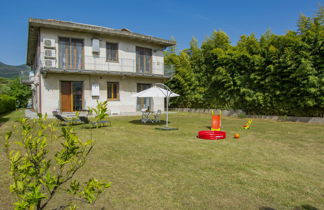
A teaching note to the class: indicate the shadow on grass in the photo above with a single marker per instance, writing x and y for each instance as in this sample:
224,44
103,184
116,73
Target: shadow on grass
305,207
3,120
87,126
62,124
266,208
139,122
302,207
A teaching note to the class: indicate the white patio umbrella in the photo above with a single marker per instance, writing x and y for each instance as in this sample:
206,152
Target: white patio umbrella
158,92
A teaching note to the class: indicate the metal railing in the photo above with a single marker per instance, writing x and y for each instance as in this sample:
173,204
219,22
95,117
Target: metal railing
99,63
26,77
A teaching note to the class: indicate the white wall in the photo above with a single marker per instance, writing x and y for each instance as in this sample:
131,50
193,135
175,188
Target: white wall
126,52
50,92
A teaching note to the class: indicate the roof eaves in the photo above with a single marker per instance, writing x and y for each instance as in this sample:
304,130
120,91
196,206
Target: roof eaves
98,29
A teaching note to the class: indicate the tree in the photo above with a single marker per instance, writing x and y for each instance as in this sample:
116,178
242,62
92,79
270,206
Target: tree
20,91
275,75
4,89
38,172
184,81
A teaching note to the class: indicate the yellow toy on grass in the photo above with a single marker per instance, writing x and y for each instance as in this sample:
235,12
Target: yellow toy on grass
247,125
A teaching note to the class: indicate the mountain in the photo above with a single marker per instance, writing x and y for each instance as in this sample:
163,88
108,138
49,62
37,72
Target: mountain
9,71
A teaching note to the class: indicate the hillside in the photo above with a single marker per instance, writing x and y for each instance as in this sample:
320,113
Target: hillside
9,71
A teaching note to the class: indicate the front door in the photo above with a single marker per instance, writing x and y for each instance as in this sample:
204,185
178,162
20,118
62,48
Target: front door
66,102
71,96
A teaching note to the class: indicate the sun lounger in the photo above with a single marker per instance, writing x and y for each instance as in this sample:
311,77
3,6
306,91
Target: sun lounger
86,120
69,121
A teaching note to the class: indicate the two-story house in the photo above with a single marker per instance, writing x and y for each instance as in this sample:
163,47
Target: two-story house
77,64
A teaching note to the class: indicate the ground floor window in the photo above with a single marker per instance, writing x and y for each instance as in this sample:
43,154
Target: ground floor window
113,91
143,103
71,96
77,92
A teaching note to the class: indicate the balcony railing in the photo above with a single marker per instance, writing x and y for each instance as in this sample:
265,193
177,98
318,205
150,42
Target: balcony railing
27,77
123,65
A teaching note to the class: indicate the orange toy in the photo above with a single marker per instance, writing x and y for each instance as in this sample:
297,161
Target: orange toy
236,135
216,122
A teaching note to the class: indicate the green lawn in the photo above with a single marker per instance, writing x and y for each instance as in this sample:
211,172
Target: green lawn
276,165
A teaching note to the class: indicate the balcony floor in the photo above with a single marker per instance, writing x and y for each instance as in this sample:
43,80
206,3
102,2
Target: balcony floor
100,72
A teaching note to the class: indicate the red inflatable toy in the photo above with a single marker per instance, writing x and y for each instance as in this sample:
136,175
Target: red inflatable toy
211,135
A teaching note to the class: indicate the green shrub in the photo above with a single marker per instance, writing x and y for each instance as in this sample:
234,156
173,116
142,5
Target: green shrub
100,110
37,175
7,103
20,91
241,115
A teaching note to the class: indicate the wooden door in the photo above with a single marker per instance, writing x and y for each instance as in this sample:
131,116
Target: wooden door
66,102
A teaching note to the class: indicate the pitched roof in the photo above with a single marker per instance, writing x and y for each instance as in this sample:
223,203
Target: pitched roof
35,24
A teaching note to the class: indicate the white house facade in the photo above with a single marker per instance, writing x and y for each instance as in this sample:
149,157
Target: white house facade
76,64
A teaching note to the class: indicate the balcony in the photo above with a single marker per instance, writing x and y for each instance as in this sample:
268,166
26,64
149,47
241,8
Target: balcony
27,77
99,65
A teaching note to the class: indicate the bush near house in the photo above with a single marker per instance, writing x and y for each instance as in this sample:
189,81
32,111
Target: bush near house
7,103
15,88
20,91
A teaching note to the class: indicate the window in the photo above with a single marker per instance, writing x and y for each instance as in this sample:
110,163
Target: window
112,51
143,60
146,102
77,93
113,91
71,53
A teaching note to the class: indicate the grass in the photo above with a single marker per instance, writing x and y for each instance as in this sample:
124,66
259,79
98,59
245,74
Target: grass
278,165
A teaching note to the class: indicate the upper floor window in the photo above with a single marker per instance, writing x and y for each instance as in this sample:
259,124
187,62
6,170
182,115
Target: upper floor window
71,53
143,60
112,51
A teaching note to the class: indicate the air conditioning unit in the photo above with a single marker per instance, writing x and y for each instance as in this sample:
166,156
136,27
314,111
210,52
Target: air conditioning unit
50,63
96,46
50,53
49,43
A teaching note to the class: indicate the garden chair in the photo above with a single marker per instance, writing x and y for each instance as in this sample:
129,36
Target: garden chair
157,116
146,117
86,120
64,120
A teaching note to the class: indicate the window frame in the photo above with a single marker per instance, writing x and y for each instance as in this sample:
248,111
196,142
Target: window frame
117,54
110,84
141,100
70,53
137,59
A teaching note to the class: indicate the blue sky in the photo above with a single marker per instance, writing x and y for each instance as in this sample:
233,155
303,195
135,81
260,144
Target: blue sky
164,18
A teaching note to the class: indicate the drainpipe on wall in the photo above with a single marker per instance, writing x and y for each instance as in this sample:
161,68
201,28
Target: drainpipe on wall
40,93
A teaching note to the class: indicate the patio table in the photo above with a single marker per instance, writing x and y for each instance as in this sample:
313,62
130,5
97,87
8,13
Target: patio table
150,116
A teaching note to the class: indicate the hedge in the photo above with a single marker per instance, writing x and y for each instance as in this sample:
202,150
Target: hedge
7,103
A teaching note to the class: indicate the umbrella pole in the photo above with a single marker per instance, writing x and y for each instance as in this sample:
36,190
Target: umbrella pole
167,111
